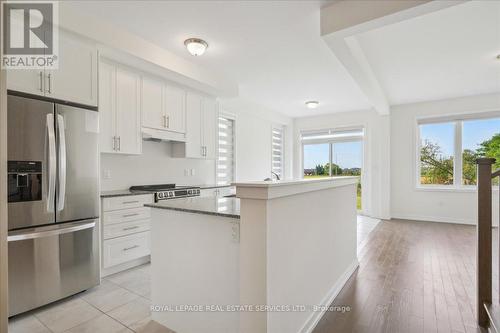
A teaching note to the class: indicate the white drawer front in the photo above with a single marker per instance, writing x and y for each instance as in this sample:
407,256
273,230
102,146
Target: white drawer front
125,202
119,250
126,215
127,228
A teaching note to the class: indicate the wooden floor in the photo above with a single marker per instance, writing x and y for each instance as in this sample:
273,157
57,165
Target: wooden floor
413,277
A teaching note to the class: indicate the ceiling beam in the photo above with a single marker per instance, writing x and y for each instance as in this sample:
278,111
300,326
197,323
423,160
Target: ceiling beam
342,21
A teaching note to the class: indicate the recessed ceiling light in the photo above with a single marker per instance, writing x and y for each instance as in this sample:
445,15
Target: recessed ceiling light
312,104
196,46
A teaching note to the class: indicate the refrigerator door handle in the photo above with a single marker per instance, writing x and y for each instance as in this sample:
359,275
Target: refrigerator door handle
51,163
33,234
62,163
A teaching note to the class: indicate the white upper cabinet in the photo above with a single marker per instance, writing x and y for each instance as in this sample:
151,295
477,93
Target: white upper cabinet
163,106
175,109
107,107
74,81
26,80
209,131
152,103
119,109
128,111
76,78
201,117
194,140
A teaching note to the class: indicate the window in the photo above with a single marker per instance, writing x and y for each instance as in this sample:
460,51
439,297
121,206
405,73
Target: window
225,152
277,156
333,153
316,160
481,138
448,150
437,153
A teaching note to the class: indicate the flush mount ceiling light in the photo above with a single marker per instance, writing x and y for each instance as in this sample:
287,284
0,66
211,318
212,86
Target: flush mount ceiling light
196,46
312,104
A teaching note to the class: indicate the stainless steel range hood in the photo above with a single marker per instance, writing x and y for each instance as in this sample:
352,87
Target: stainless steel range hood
156,135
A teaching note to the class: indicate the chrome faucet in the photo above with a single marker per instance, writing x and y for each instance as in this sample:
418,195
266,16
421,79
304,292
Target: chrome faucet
270,179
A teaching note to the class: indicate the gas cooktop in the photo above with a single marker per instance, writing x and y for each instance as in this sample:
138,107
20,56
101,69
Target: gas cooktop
168,191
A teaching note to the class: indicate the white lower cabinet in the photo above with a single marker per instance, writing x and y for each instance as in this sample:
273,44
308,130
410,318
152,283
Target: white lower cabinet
125,231
122,249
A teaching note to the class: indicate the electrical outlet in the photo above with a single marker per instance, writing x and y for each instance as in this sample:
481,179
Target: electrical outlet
107,174
192,172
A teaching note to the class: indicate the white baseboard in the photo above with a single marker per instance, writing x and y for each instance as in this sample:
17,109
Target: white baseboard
315,317
122,267
433,219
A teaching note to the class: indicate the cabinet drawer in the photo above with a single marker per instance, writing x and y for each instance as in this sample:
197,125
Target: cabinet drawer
123,229
126,215
119,250
130,201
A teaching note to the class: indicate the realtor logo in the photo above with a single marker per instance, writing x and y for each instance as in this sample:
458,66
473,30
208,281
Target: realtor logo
30,35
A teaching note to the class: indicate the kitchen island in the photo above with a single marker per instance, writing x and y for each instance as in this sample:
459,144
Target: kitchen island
270,260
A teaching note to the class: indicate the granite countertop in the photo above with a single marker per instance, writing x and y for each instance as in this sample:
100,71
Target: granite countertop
208,186
221,206
121,193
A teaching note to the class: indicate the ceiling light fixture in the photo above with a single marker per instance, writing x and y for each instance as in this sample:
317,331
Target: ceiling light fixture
196,46
312,104
498,57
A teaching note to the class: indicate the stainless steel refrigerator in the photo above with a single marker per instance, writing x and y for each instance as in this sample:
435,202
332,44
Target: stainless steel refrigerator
53,201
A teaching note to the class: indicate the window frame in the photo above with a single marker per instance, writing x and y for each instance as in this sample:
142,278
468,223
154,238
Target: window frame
232,117
457,121
332,141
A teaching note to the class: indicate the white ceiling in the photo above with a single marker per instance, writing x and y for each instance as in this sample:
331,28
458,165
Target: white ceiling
274,50
445,54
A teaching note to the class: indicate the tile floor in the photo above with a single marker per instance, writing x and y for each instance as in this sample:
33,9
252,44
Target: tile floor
119,305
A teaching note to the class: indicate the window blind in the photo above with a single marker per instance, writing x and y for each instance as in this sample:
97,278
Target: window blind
225,153
277,151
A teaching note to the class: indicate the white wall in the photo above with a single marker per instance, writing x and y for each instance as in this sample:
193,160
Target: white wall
390,173
154,166
457,206
376,164
253,139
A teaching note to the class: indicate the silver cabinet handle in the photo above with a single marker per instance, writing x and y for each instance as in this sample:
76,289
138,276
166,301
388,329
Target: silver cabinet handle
130,228
40,74
119,143
62,163
51,188
164,121
49,90
130,202
130,215
168,121
114,143
201,148
130,248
